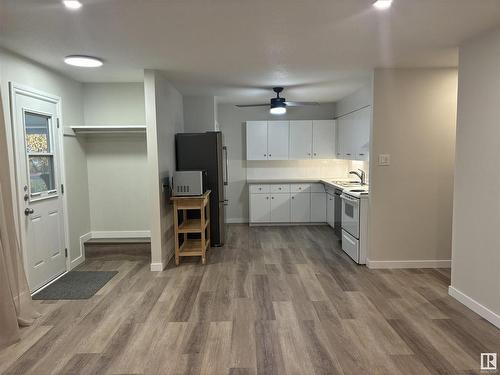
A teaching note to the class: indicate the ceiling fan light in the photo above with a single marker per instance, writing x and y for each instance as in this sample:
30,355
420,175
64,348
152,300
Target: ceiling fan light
278,106
277,110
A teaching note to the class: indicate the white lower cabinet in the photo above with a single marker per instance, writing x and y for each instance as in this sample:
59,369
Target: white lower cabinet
260,208
289,203
330,210
280,208
318,207
300,208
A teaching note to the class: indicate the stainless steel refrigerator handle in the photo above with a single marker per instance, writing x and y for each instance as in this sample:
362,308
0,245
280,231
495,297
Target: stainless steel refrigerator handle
227,170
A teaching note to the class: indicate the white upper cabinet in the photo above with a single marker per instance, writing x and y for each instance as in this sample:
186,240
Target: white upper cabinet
277,140
361,137
323,135
345,138
301,139
256,140
353,135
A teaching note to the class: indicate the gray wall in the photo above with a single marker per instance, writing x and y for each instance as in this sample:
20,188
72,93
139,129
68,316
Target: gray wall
476,217
113,104
414,120
116,163
199,114
357,100
232,124
31,74
118,185
164,118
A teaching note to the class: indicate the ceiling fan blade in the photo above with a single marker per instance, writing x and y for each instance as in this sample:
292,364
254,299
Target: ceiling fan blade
300,104
252,105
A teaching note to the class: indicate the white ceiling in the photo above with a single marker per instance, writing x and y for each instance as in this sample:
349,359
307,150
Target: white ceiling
236,49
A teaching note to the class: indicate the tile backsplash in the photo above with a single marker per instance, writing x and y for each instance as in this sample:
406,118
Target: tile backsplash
335,168
297,168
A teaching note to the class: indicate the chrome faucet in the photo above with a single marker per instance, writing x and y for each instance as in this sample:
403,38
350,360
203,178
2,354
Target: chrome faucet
361,174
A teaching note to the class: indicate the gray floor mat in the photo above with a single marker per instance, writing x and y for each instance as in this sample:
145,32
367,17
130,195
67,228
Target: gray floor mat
76,285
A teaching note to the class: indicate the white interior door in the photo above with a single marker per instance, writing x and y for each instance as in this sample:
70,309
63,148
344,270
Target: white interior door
38,165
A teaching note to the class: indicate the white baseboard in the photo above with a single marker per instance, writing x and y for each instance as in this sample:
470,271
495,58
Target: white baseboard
475,306
408,264
157,267
122,234
239,220
81,258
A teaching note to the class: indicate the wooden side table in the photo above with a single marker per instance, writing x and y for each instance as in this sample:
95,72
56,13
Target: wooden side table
192,247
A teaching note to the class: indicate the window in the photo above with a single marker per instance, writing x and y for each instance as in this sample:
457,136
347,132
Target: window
39,153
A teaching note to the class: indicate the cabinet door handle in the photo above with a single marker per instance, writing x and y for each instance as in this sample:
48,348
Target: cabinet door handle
272,197
267,197
293,197
314,154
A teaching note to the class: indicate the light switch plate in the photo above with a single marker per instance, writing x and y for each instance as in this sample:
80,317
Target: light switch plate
384,159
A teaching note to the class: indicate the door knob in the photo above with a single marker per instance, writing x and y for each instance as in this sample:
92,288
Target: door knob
28,211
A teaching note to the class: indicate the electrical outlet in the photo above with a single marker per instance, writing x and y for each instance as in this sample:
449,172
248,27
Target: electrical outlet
384,159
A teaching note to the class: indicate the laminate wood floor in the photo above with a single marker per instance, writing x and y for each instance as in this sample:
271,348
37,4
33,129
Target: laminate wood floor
274,300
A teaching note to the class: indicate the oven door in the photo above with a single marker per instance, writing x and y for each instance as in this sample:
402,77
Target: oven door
350,215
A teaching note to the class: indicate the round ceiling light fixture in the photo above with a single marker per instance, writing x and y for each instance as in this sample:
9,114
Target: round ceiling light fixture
83,61
382,4
72,4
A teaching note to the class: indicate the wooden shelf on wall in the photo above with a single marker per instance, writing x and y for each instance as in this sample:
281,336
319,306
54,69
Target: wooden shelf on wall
114,129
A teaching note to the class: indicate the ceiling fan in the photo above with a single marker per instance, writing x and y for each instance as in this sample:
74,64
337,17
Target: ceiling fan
278,105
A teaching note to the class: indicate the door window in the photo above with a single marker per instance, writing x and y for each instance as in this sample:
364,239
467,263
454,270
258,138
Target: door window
39,153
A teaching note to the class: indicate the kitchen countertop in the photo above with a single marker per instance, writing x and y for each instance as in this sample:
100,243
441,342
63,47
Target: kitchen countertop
325,181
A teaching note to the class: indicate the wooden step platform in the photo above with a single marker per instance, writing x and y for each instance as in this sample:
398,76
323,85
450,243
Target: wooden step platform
118,248
99,241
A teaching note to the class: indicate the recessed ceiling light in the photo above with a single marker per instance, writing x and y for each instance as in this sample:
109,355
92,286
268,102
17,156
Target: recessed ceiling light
83,61
72,4
382,4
